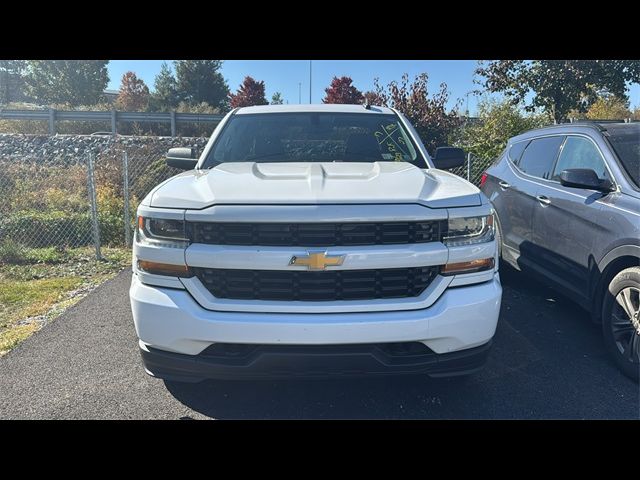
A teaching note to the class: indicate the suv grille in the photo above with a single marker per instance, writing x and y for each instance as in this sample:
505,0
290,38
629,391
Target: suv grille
316,286
317,234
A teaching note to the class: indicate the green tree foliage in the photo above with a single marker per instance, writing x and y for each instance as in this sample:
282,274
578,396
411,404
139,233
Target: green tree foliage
165,94
276,99
497,121
200,81
558,86
12,85
342,90
250,92
606,107
427,112
134,94
76,82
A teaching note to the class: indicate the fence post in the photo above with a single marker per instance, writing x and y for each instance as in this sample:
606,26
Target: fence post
113,122
52,121
468,166
173,123
94,207
127,220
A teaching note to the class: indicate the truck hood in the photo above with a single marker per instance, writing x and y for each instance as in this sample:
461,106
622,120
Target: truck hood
314,183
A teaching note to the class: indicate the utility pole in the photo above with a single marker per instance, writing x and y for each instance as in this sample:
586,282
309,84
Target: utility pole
299,92
309,81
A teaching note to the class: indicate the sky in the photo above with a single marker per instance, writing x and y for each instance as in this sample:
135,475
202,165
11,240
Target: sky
291,77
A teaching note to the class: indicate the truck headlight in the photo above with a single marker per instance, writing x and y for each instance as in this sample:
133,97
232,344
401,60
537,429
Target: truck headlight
469,230
162,232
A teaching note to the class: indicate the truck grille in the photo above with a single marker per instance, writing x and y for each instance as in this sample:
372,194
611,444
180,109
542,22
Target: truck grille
317,234
316,286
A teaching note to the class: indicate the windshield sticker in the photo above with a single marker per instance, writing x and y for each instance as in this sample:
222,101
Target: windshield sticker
391,141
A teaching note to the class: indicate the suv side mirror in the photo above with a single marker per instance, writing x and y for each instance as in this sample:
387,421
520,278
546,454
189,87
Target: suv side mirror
182,158
585,178
448,157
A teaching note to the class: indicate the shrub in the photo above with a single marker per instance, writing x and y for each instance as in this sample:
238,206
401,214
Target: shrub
196,129
50,255
36,228
110,215
11,252
498,121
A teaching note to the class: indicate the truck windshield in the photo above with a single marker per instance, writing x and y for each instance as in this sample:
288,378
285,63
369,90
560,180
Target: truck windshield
314,137
626,142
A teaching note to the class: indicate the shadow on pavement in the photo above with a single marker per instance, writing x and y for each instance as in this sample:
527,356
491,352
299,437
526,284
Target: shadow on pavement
547,362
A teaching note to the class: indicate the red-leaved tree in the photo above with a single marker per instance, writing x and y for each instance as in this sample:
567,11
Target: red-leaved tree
372,98
251,92
428,113
341,90
134,93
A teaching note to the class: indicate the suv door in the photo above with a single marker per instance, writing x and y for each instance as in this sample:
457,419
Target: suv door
535,163
502,189
566,220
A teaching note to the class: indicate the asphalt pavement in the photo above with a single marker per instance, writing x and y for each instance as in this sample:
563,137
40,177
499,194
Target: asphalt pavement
548,362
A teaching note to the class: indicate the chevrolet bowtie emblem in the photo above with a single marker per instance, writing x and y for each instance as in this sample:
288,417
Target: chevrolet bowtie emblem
317,260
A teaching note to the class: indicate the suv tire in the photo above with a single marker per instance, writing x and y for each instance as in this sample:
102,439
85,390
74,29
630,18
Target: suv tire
621,325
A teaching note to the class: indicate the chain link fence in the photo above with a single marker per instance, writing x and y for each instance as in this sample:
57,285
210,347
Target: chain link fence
70,198
90,197
473,169
45,201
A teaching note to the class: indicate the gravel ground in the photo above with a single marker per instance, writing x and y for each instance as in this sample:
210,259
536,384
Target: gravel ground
548,362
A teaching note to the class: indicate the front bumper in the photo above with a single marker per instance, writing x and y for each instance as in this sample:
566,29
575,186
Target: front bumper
310,361
170,320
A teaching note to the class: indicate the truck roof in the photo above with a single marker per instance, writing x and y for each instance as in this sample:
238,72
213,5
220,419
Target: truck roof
332,108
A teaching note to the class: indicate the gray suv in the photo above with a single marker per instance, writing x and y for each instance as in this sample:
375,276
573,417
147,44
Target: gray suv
567,199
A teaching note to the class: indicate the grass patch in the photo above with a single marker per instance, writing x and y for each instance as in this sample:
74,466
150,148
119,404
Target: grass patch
45,282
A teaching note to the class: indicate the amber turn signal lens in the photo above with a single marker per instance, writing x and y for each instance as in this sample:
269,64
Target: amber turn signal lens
468,267
164,269
140,223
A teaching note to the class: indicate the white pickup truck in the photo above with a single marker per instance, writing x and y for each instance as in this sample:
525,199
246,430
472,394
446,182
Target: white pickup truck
314,240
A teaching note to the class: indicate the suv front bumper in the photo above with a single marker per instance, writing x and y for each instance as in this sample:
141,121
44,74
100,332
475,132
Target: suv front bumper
169,322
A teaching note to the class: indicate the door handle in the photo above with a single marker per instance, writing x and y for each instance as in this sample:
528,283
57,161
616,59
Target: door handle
504,185
543,200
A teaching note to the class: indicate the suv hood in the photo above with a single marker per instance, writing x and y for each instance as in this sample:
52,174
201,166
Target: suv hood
314,183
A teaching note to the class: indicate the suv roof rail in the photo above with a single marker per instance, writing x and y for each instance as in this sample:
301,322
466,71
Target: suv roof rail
604,120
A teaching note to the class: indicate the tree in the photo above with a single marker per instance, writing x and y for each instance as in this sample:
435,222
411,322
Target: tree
341,90
12,85
165,94
372,98
250,92
497,122
75,82
134,94
607,107
276,99
428,114
558,86
200,81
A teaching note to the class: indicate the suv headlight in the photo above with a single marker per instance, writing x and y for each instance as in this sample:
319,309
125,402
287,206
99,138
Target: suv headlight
162,232
469,231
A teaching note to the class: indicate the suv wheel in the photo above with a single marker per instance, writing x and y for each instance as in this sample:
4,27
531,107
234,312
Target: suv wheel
621,321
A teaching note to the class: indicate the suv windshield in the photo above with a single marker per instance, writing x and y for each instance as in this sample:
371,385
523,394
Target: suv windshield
626,143
314,137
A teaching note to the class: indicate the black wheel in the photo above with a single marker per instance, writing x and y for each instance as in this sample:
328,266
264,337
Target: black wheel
621,321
